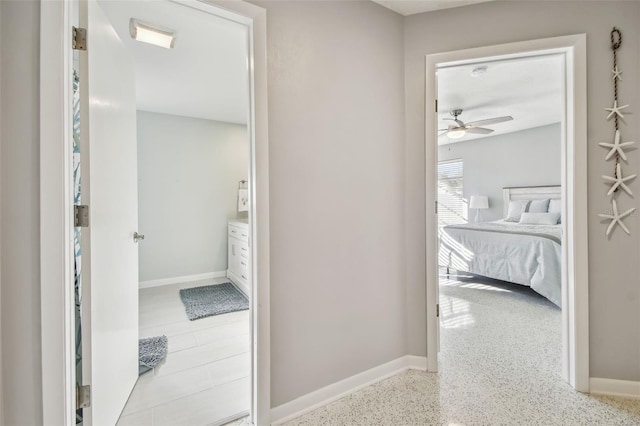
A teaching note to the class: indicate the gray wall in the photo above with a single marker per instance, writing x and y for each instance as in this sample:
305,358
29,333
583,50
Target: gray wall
614,289
336,132
188,174
20,212
527,158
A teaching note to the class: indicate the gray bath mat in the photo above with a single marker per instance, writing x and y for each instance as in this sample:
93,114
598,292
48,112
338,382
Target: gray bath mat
151,352
210,300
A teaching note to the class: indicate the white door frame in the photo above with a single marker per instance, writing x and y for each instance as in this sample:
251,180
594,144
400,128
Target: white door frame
575,285
56,199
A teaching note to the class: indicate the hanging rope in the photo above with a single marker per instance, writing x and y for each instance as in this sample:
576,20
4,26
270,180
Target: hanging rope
616,42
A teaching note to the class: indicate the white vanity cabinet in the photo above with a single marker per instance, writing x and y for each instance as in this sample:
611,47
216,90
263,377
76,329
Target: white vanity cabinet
239,259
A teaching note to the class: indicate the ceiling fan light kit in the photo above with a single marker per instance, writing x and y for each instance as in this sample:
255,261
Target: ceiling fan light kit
456,134
616,148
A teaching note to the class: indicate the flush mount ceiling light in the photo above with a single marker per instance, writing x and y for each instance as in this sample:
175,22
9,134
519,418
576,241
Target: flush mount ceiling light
152,34
478,71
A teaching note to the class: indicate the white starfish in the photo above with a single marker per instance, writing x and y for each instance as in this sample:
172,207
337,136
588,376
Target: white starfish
616,218
618,181
616,73
615,110
616,146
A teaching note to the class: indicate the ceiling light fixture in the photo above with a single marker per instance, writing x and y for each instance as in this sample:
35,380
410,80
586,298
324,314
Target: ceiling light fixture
151,34
478,71
456,134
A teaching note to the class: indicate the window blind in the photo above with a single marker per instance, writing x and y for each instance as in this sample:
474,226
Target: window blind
452,208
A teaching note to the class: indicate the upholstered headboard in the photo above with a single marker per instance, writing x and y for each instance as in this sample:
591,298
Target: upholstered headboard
515,193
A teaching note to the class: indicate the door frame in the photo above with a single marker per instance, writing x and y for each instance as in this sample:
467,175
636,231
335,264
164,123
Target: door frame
56,200
575,283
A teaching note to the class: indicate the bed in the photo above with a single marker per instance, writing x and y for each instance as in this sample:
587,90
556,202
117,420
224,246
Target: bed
524,249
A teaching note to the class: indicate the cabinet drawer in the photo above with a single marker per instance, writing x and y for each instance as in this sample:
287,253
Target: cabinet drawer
243,250
239,233
243,265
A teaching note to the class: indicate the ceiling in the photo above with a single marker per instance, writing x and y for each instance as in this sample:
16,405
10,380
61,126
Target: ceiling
412,7
203,76
528,89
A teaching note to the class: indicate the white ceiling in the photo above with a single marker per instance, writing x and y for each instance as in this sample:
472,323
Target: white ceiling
412,7
203,76
528,89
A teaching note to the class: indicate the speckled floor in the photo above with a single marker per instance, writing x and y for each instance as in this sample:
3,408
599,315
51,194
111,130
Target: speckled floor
499,365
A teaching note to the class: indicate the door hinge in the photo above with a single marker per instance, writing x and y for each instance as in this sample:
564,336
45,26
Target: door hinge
83,396
436,207
81,216
438,310
436,105
79,41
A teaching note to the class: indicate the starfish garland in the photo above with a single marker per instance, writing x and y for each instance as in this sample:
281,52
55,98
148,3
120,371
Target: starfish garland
615,110
618,181
617,73
616,218
616,146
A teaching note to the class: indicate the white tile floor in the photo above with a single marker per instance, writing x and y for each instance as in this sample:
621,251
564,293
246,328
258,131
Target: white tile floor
205,378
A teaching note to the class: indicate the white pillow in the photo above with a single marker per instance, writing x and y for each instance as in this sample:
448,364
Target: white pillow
555,206
538,206
516,208
539,218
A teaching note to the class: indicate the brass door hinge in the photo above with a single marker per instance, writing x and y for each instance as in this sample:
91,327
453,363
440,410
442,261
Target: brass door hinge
79,40
81,216
83,396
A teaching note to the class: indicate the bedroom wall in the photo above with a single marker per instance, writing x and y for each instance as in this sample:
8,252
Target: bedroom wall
336,158
614,290
529,157
20,212
188,174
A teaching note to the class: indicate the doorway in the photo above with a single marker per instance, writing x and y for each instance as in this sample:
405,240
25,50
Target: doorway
573,252
58,315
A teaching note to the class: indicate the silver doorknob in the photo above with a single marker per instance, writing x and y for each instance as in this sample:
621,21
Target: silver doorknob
137,237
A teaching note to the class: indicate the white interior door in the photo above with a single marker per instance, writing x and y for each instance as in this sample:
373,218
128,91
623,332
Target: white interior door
109,187
437,252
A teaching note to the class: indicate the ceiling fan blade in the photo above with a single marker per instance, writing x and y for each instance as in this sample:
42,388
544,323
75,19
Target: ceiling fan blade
489,121
480,130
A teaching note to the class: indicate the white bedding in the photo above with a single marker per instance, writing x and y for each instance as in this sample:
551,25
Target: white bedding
523,254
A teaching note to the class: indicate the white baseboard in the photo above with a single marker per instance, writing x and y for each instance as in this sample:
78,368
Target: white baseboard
417,362
316,399
613,387
183,279
242,286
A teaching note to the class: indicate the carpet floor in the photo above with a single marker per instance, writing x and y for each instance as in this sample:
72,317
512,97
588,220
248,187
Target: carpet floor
500,364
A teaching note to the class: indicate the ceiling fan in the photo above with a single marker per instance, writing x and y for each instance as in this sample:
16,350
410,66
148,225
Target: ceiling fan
459,128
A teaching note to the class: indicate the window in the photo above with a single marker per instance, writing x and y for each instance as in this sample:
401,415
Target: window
452,208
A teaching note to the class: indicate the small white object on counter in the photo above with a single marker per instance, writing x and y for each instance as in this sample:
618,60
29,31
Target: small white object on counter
243,200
